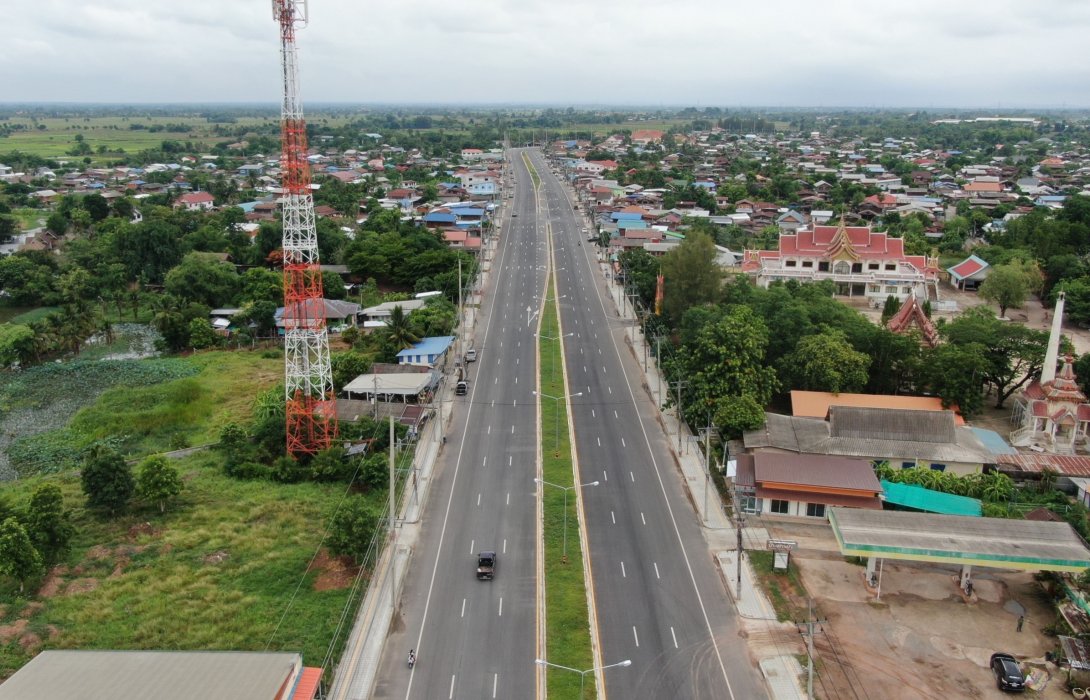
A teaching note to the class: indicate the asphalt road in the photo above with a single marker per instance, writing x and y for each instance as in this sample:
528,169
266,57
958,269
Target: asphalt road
476,639
660,600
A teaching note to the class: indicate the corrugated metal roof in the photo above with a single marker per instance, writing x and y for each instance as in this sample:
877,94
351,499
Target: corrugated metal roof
162,675
812,436
891,424
307,687
1068,465
920,498
816,470
954,539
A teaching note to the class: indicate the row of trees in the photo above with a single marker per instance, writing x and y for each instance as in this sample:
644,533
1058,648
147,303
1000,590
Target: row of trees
741,348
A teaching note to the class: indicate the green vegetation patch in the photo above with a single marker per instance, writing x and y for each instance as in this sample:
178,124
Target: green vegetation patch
533,172
567,624
218,571
783,589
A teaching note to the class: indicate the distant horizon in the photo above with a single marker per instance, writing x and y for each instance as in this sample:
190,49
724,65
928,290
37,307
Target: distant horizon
614,106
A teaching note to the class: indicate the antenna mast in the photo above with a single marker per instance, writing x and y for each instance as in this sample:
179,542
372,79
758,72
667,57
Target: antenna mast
310,407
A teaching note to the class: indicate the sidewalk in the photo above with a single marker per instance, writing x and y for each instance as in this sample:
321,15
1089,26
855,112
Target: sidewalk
782,673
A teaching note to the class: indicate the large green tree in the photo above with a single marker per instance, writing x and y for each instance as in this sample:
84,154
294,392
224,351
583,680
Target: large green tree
48,523
157,481
18,558
721,363
107,479
1009,285
351,530
691,276
203,278
826,361
1014,352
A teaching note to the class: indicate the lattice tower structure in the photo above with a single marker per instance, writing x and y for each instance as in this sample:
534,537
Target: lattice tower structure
310,406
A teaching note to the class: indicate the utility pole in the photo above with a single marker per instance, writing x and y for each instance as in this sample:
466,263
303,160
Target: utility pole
680,383
809,633
707,463
658,361
461,314
393,532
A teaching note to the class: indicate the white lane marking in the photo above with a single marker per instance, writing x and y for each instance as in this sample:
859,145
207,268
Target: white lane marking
472,546
599,351
615,413
484,462
478,500
605,476
613,517
609,389
516,360
635,635
623,443
501,607
623,574
463,607
599,441
510,460
633,477
672,635
656,565
584,369
451,696
489,431
505,545
512,429
643,518
603,369
496,679
516,380
592,415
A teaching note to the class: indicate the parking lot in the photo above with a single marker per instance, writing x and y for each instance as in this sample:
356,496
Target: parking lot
922,639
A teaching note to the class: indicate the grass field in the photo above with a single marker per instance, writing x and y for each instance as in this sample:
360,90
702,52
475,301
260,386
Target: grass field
24,314
30,218
217,571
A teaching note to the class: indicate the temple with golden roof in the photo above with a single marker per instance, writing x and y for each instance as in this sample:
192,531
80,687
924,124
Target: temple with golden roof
860,262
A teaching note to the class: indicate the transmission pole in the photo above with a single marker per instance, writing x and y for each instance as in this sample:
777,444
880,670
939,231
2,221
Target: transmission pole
310,408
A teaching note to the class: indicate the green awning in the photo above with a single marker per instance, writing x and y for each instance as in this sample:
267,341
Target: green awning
919,498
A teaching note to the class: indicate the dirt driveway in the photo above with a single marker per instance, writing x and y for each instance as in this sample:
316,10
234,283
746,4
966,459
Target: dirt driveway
922,639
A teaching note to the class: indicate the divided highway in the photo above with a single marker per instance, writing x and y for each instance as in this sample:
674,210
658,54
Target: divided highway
660,600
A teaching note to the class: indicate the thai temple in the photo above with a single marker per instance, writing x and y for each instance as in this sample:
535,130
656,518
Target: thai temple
860,263
910,317
1052,414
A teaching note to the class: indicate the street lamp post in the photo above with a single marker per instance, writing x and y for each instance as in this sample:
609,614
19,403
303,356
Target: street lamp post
558,399
552,362
565,489
582,674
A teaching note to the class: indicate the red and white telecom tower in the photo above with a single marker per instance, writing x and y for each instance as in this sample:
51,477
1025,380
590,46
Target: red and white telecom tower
308,380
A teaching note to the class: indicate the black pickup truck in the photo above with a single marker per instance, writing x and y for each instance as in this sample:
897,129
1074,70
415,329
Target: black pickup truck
486,566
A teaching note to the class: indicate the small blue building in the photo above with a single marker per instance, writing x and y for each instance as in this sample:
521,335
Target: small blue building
428,351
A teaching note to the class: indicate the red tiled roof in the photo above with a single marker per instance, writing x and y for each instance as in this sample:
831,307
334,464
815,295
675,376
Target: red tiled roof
911,313
967,268
196,198
307,687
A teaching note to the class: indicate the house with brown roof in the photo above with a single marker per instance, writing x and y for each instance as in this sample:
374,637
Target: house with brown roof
816,404
804,485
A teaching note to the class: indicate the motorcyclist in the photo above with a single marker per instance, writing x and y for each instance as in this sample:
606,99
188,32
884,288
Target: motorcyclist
412,657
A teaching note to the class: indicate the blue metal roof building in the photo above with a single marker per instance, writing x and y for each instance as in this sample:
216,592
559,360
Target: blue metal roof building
426,352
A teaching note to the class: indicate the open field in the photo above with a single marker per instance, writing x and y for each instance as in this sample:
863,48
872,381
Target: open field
50,413
30,218
218,570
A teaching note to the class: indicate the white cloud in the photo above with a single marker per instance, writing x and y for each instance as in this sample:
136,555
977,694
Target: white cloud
708,52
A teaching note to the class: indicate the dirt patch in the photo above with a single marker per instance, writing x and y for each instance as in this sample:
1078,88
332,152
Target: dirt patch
30,641
922,638
143,530
81,585
53,631
99,551
216,558
9,633
334,573
52,583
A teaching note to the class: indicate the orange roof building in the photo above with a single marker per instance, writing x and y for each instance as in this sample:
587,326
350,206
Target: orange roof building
815,404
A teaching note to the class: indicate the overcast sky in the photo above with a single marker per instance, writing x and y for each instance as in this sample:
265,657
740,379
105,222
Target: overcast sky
920,53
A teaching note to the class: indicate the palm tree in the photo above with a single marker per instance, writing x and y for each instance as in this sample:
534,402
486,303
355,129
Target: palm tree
996,487
400,330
